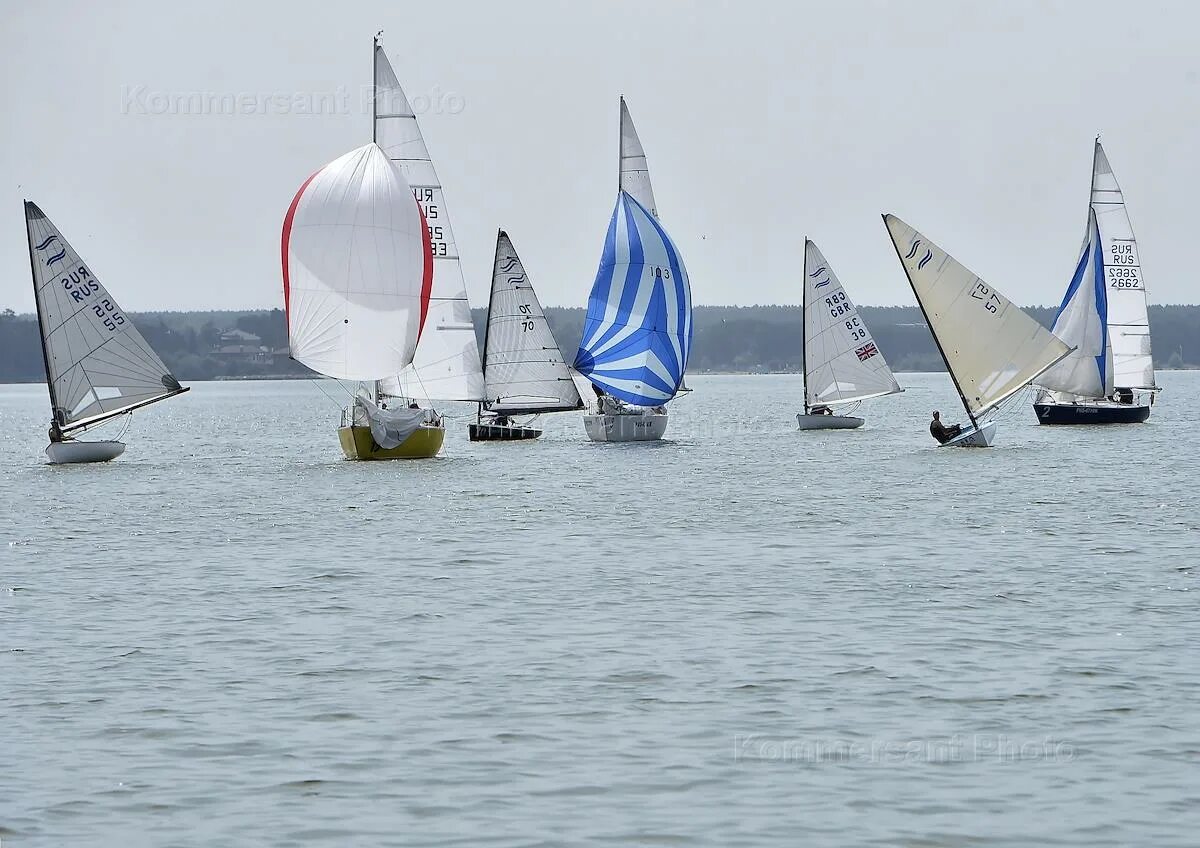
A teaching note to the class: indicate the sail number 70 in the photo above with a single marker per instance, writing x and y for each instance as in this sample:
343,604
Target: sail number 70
991,300
526,323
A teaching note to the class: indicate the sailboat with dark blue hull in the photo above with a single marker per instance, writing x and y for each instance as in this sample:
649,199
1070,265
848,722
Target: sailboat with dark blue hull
1109,377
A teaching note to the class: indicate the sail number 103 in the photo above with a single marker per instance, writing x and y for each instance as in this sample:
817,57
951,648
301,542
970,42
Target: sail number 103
991,300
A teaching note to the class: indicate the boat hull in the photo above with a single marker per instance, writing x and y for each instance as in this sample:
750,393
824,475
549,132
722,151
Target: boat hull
72,452
357,443
828,422
625,428
484,432
1091,413
972,437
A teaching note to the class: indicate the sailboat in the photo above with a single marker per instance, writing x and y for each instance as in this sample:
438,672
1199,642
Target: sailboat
638,329
1109,379
357,275
842,364
523,368
991,348
98,366
447,366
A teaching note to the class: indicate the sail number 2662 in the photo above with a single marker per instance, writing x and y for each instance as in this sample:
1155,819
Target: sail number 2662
991,300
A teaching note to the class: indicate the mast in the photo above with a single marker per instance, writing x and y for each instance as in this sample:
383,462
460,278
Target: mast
804,325
487,319
374,110
620,150
41,319
961,397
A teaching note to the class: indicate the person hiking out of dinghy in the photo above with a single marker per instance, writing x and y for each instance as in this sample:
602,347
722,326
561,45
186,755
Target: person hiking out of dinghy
940,431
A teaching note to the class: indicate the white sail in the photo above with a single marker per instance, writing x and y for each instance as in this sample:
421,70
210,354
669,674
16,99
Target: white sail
446,365
1087,372
523,369
634,172
991,348
97,364
1128,323
841,362
356,269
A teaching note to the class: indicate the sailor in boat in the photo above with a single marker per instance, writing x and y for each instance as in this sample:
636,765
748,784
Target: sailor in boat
825,410
940,431
501,421
56,434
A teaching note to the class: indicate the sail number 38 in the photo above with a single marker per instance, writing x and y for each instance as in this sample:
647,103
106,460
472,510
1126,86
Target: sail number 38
991,300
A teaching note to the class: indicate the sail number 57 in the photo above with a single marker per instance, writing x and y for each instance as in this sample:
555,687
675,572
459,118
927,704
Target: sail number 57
991,300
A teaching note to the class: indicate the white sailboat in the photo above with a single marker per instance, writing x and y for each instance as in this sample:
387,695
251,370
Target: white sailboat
447,365
357,274
842,364
638,330
1109,379
991,348
523,368
98,366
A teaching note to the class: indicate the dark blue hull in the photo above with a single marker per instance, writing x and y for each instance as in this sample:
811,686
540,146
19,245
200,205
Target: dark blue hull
1083,413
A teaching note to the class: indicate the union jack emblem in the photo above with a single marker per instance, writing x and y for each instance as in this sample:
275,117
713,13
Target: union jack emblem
866,351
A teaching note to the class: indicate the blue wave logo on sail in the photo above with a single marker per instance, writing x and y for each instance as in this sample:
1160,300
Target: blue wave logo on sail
823,283
49,241
817,272
912,251
508,266
58,257
925,259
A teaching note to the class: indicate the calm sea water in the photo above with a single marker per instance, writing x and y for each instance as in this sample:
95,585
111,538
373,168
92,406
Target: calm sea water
741,636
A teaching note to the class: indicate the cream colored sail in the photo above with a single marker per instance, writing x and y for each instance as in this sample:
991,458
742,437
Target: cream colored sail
991,348
97,363
446,365
634,170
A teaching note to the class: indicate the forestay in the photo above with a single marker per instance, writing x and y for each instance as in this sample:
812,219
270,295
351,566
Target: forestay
446,365
356,269
1082,323
97,364
1128,322
523,368
841,361
638,329
991,347
634,171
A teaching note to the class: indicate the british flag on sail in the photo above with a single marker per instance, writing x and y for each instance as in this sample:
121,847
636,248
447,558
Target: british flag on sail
866,352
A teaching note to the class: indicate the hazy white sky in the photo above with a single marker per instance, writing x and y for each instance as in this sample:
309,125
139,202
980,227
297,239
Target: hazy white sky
763,122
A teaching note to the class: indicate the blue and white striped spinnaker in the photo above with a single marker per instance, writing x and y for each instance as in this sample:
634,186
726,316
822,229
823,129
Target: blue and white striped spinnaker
638,330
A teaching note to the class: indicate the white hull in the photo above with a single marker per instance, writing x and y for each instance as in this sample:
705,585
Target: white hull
626,427
973,438
68,452
828,422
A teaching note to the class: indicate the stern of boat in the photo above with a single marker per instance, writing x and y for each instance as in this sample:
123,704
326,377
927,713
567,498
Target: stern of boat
358,444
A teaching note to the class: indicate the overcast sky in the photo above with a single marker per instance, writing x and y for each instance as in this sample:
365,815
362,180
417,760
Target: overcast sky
763,123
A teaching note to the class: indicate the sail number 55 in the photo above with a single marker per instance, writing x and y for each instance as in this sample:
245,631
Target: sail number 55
107,313
991,300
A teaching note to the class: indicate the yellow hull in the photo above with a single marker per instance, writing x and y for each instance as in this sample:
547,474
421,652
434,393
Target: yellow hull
358,444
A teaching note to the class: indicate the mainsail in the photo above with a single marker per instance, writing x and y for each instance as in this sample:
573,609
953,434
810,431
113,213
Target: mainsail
97,364
1128,322
446,365
1082,322
841,362
638,329
523,368
634,175
991,348
357,270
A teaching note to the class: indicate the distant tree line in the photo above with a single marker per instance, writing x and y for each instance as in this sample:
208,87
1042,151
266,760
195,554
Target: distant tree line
754,339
